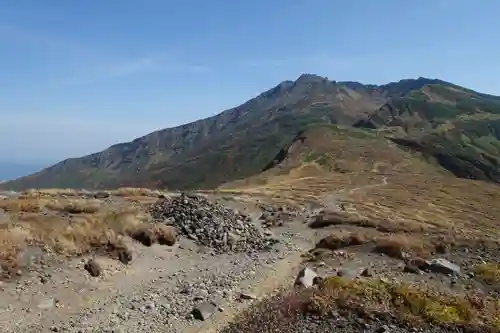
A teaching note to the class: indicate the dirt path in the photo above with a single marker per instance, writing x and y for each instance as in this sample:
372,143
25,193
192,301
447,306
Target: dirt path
155,293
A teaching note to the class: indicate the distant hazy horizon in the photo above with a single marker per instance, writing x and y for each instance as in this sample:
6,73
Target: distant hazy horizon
9,171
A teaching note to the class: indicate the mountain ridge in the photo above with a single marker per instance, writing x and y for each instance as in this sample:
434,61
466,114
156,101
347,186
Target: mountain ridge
239,142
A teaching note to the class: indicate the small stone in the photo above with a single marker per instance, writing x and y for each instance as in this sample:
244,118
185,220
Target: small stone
366,273
317,280
443,266
411,269
125,256
204,311
247,296
93,268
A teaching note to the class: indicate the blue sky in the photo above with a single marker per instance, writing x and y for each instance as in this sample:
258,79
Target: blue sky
78,76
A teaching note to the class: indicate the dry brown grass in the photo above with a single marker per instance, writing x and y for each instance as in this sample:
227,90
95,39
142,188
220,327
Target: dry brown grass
75,206
39,204
72,193
490,273
441,210
150,233
384,188
277,314
339,218
135,192
89,226
72,223
342,239
29,205
416,306
370,299
398,246
400,204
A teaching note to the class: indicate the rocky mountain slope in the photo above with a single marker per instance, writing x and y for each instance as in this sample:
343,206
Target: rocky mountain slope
241,142
458,128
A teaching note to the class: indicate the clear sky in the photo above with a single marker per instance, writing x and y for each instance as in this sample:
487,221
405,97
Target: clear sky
78,76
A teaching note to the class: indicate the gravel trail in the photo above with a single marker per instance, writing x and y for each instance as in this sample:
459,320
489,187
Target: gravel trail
157,292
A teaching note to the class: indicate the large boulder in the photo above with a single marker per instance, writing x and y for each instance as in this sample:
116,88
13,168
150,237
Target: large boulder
443,266
306,278
93,268
204,311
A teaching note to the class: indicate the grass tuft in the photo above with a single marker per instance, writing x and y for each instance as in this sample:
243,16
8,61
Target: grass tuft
489,273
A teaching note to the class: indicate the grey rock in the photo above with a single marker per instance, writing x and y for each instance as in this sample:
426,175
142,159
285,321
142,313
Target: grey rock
101,195
204,311
93,268
305,278
409,268
366,273
443,266
247,296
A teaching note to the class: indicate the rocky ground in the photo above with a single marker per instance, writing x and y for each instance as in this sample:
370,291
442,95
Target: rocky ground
222,261
231,255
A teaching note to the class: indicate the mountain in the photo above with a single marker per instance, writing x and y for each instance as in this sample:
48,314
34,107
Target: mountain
457,127
243,141
321,151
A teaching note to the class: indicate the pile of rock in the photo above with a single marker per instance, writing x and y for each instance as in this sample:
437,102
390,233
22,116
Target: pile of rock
210,224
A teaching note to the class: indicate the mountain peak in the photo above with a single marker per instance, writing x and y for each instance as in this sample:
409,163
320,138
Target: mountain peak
307,77
238,142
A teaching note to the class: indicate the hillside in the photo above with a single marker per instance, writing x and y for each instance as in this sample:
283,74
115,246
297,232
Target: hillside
243,141
457,127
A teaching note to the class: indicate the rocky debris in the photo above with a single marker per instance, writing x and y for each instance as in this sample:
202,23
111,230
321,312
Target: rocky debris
411,268
443,266
276,216
125,256
204,311
101,195
305,278
93,268
211,224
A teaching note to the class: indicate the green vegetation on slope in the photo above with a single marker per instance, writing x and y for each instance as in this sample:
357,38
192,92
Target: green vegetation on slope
234,144
453,125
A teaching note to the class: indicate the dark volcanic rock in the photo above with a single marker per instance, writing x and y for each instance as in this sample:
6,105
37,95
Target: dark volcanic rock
93,268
